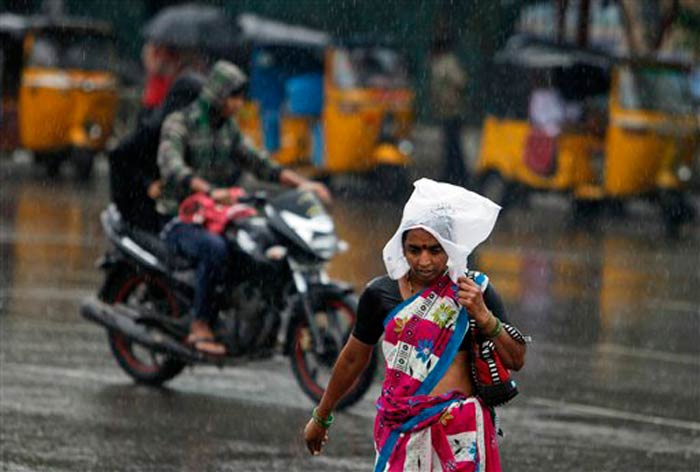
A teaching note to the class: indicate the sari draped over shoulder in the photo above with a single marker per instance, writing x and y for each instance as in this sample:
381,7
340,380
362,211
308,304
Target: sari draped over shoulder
413,430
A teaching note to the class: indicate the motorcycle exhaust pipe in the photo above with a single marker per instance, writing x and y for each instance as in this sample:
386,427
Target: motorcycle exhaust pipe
124,320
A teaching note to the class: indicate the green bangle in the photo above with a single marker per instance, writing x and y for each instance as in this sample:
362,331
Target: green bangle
496,329
324,423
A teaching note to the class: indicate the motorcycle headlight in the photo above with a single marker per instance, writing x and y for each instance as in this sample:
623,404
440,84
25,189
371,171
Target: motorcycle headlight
317,232
305,228
324,245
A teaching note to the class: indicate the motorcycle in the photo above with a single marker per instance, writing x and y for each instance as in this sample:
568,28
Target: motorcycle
277,297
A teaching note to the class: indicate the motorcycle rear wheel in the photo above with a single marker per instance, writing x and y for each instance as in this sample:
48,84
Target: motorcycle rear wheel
141,364
312,371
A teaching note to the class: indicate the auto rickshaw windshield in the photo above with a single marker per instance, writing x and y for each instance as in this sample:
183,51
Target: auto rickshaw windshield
72,50
372,67
655,89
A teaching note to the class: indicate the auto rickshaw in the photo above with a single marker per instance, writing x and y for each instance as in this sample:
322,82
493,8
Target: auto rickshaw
59,91
635,134
330,106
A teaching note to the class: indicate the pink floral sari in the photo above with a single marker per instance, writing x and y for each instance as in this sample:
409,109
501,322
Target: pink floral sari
414,431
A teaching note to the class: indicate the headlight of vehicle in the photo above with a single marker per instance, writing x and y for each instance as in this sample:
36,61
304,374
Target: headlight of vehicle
324,245
305,228
684,173
406,147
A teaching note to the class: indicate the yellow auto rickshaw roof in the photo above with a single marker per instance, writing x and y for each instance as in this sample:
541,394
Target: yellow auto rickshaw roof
256,30
19,25
535,53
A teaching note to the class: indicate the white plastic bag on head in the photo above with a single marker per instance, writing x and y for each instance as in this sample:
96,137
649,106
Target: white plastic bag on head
459,219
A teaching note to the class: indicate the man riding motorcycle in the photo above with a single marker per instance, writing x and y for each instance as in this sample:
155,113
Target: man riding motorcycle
202,150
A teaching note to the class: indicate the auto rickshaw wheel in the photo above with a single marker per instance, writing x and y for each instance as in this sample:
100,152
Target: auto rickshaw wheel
493,186
83,162
585,213
51,161
675,211
391,181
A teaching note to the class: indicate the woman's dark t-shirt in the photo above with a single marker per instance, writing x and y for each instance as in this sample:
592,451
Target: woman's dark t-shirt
382,295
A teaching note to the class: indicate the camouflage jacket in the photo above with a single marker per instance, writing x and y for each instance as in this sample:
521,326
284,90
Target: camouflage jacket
190,146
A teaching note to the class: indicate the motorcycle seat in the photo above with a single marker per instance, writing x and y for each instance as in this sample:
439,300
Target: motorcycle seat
148,241
156,246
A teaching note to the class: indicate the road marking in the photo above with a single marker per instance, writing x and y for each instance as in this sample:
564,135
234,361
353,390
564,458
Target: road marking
62,239
63,373
49,293
612,413
674,305
640,353
54,326
650,354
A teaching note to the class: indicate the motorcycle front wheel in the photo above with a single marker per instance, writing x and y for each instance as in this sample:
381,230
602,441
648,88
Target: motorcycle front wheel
334,318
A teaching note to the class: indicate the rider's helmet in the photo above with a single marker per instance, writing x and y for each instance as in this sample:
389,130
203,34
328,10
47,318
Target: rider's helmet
225,80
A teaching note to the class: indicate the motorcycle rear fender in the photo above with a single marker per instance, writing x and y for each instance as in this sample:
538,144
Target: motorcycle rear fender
337,289
113,264
110,260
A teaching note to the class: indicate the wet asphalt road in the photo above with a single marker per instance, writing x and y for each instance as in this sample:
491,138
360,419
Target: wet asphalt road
612,380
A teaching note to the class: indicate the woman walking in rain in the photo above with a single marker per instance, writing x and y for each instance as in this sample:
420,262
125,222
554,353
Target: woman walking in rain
447,342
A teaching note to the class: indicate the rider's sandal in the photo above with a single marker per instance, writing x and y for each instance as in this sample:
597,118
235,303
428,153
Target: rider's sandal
206,345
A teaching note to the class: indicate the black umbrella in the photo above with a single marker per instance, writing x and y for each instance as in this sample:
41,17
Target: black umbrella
192,26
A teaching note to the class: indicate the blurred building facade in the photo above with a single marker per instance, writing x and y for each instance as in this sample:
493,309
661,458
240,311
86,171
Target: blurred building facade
606,25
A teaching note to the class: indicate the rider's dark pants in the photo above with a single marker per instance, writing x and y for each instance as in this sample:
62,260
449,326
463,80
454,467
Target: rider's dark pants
454,171
210,253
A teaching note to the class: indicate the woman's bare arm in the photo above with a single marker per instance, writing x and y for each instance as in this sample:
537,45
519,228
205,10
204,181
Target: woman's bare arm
511,351
351,363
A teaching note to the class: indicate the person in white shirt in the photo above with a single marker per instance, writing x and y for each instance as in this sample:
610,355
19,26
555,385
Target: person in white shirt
549,111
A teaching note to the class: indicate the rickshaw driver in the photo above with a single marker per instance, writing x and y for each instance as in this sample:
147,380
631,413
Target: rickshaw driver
548,109
202,150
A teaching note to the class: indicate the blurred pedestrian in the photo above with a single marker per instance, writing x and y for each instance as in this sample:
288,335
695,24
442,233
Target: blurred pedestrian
163,65
438,320
202,150
159,63
549,115
173,80
548,111
447,88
